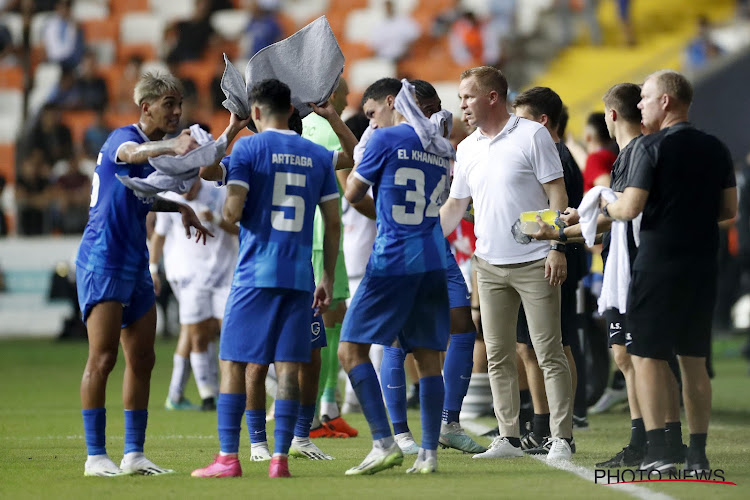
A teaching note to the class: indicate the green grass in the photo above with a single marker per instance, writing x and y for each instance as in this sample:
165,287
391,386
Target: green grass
42,449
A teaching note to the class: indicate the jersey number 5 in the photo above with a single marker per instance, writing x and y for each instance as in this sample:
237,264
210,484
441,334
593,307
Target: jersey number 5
416,196
281,198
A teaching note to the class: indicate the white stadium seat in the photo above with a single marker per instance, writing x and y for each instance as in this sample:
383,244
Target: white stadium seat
230,23
448,92
363,72
402,6
141,27
14,22
38,21
359,24
172,10
303,11
84,10
11,114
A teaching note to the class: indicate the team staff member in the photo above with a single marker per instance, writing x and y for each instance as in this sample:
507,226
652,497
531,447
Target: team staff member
509,272
678,176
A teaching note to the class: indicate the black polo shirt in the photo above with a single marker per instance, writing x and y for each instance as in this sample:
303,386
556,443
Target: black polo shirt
685,172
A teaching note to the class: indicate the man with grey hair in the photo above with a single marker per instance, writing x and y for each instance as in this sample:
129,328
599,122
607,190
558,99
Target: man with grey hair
674,171
115,290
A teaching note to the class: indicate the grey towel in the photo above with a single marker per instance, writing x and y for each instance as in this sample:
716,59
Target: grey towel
177,173
430,135
310,62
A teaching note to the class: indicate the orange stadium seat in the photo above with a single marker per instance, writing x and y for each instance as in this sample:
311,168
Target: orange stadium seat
115,119
145,50
11,77
8,162
120,6
78,122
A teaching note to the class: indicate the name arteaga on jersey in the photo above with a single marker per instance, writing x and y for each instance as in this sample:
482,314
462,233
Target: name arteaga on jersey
403,154
290,159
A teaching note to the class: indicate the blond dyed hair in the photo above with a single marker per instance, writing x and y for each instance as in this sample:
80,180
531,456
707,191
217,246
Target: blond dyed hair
152,86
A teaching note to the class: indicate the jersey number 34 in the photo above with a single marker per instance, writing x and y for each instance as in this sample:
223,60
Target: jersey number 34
417,196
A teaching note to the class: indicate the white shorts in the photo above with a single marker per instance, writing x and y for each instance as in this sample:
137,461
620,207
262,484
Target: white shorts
199,304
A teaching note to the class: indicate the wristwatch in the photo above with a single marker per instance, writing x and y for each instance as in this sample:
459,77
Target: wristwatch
557,246
605,211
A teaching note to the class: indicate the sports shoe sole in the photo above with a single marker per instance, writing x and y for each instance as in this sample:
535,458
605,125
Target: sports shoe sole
390,461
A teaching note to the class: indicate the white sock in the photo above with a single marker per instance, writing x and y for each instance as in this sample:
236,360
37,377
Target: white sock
201,364
331,410
180,374
383,443
315,422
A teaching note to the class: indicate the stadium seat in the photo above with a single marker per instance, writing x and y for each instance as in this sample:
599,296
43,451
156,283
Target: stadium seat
14,22
201,72
120,7
11,77
365,71
304,12
101,36
402,6
479,7
448,92
359,24
173,10
11,114
84,10
230,23
141,27
46,76
78,122
154,66
354,51
8,162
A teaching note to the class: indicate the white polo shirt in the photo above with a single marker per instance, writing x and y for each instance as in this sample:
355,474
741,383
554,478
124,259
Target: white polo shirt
504,176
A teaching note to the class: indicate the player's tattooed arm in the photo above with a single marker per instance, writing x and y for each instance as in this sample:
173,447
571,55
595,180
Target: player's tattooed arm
140,153
164,205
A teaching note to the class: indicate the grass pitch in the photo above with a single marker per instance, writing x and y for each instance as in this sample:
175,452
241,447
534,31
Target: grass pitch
42,449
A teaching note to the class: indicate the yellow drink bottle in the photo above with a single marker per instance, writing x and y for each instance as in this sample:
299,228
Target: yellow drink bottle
529,224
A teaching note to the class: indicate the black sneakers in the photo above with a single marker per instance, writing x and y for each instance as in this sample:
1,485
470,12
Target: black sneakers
530,441
627,457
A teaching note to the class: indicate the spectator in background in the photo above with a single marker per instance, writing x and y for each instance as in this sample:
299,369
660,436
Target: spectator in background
217,95
701,49
188,40
130,75
3,222
392,38
262,30
7,49
626,21
63,38
499,29
65,94
466,40
562,127
95,135
596,155
33,195
50,136
90,87
72,193
568,10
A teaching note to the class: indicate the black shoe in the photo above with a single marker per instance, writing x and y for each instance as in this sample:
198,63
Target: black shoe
572,443
525,418
628,457
663,467
696,463
531,441
492,433
208,404
412,398
678,455
580,422
542,449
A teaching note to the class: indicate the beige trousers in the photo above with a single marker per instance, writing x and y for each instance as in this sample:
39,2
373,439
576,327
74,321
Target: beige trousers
502,289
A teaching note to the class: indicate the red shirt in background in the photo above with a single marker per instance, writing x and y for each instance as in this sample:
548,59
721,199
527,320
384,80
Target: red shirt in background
598,163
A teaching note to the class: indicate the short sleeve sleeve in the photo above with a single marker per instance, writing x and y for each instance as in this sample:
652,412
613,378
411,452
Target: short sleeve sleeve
238,172
641,167
370,169
118,139
329,189
459,186
545,160
729,180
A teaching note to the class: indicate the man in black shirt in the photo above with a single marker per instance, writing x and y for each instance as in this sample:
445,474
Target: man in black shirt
543,105
683,182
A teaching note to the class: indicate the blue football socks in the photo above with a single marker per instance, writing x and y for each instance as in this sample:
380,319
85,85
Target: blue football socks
431,394
285,414
229,408
135,430
459,361
94,425
365,383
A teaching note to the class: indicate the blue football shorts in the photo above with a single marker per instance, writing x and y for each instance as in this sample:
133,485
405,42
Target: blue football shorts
458,293
136,296
412,308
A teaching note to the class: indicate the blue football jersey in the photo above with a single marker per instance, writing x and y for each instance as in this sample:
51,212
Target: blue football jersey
407,182
286,177
114,241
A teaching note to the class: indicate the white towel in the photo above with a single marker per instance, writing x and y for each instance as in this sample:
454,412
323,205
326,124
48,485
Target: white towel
177,173
359,149
430,134
616,280
310,62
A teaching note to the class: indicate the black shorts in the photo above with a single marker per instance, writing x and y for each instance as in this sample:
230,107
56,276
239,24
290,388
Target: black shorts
618,332
671,313
568,319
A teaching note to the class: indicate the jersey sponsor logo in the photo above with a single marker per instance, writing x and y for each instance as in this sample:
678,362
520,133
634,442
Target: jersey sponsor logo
615,326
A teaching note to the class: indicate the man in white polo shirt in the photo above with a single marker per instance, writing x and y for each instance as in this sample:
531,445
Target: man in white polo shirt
507,166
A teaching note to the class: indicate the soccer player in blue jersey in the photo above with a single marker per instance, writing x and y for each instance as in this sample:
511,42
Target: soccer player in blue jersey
459,356
115,291
275,179
404,292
